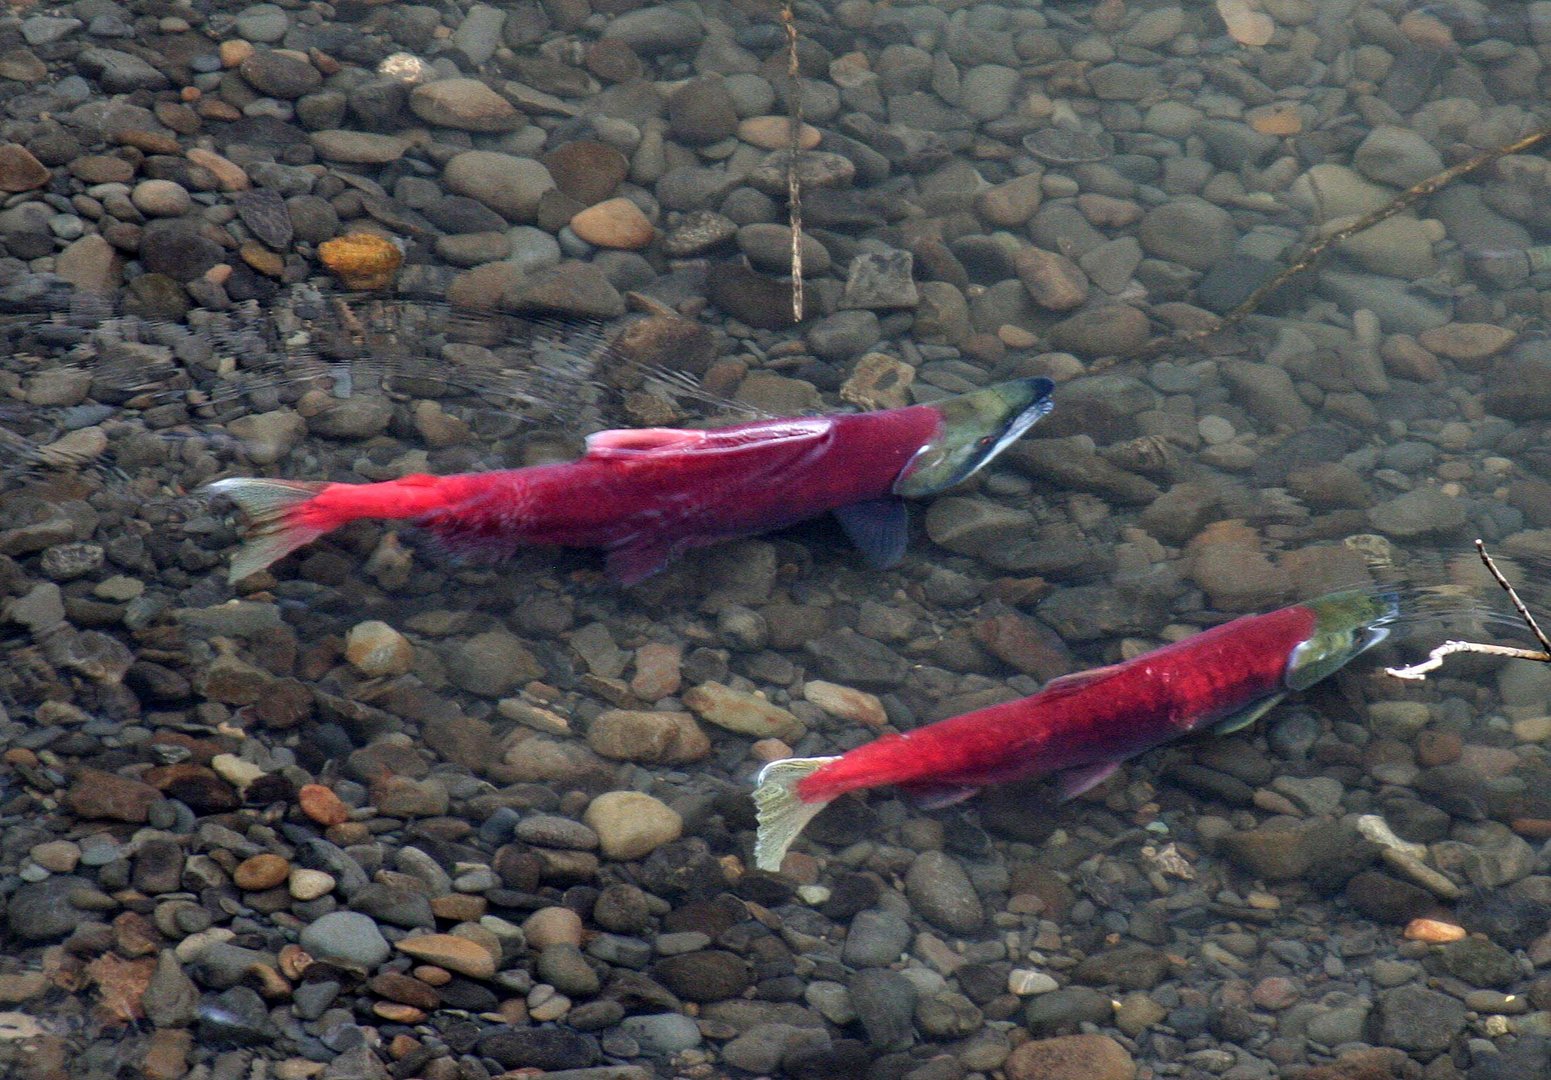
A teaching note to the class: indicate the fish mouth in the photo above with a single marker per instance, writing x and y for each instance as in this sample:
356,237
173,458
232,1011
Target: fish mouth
976,427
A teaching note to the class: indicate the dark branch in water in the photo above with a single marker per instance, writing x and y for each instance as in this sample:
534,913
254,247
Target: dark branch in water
1317,249
1449,648
793,148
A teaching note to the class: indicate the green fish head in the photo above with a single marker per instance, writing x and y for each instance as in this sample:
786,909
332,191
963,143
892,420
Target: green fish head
975,428
1346,624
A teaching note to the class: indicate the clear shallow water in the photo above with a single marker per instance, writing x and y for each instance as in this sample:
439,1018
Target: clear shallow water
1069,182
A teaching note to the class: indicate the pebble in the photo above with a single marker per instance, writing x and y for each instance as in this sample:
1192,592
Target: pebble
448,951
614,223
346,935
632,824
743,713
376,649
1070,1057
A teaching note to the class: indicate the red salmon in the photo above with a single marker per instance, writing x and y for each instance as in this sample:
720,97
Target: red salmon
1084,725
645,496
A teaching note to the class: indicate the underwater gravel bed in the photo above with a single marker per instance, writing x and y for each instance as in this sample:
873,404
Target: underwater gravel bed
379,813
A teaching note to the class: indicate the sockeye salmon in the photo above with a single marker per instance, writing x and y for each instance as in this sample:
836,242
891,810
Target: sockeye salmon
1083,726
645,496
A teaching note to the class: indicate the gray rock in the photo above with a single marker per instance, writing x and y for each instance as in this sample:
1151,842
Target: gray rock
939,889
562,965
1267,392
1418,512
1480,962
540,1048
848,658
876,939
843,335
761,1048
1397,156
346,935
881,281
478,35
42,911
170,998
1415,1018
885,1004
120,72
397,903
661,1034
1063,1010
1130,967
654,30
1189,231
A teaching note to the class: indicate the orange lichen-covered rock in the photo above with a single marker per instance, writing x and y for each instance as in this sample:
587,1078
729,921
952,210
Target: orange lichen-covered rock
1433,931
362,260
322,805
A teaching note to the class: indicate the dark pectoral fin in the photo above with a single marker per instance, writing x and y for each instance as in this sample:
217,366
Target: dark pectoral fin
929,796
880,528
1071,783
1245,717
636,561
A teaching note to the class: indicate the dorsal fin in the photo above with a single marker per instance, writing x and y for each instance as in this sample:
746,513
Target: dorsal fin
641,440
1066,684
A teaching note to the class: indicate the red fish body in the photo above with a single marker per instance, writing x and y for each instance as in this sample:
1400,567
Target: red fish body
644,496
1083,726
1094,718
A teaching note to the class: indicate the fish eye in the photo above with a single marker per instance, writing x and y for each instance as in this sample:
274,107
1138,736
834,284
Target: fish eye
985,440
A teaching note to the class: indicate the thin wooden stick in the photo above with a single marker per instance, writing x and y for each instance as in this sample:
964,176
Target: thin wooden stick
1448,648
1518,605
793,148
1311,254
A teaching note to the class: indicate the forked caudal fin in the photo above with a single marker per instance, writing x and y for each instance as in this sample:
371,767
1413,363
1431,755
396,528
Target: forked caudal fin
272,531
781,813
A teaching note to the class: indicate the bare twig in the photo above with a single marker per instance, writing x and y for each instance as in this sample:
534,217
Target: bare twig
1311,254
793,148
1449,648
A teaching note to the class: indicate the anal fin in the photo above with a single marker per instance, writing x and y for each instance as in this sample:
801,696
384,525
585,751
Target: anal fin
636,561
880,528
1245,717
1071,783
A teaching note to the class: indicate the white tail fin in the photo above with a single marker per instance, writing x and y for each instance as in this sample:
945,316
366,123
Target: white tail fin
271,534
782,814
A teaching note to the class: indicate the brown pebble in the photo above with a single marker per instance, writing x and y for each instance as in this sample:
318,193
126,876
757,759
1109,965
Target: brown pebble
1435,748
322,805
404,989
398,1014
431,975
553,926
261,872
1433,931
459,907
19,170
451,952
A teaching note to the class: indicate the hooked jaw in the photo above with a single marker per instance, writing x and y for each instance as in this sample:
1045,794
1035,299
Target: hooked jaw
1346,624
976,427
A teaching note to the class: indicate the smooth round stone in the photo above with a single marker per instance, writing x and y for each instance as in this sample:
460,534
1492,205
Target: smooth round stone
261,872
262,23
57,856
531,248
66,226
552,926
632,824
376,649
346,935
310,884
